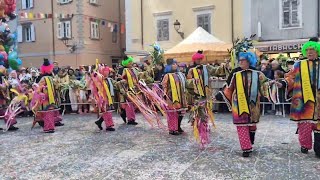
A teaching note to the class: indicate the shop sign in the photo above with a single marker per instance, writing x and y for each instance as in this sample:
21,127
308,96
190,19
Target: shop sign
285,47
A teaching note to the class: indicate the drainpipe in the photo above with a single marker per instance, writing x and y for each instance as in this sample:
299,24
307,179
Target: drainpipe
318,17
232,22
53,33
141,12
119,29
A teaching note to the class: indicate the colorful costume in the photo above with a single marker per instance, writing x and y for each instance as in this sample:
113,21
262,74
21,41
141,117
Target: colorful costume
173,84
201,101
8,108
305,107
102,89
128,83
45,102
242,96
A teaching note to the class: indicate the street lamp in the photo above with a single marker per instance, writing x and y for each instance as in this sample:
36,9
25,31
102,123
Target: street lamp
177,25
65,41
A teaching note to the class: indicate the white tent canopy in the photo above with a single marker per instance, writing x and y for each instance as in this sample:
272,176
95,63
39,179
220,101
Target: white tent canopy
200,36
200,39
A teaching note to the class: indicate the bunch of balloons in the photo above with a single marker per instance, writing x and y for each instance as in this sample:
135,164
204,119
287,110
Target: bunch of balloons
8,54
7,10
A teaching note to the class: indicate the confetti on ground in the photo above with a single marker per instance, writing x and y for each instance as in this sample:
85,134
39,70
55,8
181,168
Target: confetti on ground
78,151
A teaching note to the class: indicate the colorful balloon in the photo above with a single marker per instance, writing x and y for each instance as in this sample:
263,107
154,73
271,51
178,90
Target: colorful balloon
7,48
5,55
3,27
10,42
12,36
13,55
19,61
13,63
1,57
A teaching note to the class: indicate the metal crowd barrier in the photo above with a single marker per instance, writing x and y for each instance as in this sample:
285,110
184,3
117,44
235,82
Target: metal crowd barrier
263,106
214,102
215,85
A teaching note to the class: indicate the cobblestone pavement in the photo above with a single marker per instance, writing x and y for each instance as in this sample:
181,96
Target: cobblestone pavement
78,151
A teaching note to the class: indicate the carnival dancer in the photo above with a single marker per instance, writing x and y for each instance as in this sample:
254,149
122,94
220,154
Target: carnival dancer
17,105
242,95
201,96
173,85
128,82
5,99
304,81
102,89
147,75
45,102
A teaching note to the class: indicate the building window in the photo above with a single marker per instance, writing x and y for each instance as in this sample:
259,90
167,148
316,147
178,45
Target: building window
204,21
290,13
163,30
27,4
93,2
26,33
95,34
64,29
64,1
114,37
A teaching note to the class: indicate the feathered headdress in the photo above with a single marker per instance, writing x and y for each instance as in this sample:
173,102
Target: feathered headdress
240,46
156,53
250,57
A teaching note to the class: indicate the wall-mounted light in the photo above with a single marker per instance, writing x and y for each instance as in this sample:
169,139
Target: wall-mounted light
177,26
65,41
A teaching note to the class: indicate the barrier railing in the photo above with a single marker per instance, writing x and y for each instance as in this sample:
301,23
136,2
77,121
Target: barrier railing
214,102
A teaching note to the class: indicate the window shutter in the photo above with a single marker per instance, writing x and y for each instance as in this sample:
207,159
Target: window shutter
19,30
23,4
92,30
97,31
200,21
159,30
33,34
166,29
59,30
68,29
31,3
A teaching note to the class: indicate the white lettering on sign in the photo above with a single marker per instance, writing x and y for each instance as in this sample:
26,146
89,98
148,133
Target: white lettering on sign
285,47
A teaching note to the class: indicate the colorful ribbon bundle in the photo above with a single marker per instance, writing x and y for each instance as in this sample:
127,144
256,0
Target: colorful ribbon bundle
199,115
154,96
149,114
14,108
